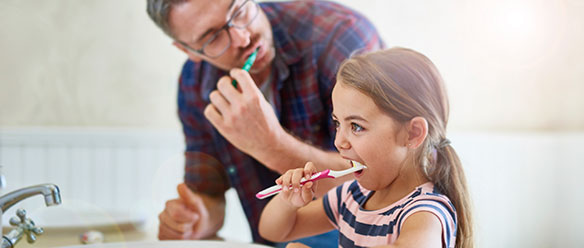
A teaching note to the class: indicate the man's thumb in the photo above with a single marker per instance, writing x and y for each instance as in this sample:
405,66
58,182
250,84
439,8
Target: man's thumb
185,194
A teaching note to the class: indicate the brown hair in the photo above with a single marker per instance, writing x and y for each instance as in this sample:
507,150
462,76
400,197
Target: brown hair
406,84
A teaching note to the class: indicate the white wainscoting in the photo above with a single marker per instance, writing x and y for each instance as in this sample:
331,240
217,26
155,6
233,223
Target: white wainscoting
106,168
111,170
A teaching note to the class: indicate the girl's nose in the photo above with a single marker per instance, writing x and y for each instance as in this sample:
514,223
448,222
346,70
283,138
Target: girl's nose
340,141
239,37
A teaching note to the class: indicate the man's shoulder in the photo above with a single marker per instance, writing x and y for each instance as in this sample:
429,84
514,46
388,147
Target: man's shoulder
315,7
310,15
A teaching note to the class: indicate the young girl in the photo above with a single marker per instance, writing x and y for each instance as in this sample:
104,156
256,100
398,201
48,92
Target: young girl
391,112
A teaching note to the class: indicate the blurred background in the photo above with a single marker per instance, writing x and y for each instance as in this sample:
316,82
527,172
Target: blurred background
88,101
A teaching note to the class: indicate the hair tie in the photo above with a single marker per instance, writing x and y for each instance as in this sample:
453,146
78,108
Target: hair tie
444,143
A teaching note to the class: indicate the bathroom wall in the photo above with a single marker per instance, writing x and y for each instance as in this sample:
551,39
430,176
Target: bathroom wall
509,65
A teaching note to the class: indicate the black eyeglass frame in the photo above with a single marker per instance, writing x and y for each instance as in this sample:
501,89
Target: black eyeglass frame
225,28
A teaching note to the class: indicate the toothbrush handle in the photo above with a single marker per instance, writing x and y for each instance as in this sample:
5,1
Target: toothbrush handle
277,188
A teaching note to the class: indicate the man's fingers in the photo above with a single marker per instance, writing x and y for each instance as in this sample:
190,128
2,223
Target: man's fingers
213,115
177,225
177,211
219,101
225,86
244,80
165,233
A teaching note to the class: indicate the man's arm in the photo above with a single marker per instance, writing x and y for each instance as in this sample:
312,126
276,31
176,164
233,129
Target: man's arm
248,121
199,211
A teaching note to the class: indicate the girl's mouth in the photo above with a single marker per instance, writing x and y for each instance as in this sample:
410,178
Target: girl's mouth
357,173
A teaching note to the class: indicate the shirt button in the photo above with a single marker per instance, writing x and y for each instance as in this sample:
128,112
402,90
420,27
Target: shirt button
231,170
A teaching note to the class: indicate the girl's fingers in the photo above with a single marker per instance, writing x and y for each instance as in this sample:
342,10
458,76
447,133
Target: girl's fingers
308,172
307,192
296,177
285,180
309,168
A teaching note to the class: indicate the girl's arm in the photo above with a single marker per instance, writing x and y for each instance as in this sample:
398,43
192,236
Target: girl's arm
422,229
282,222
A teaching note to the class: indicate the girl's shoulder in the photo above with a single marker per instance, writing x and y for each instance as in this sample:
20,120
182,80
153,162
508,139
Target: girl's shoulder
428,198
428,192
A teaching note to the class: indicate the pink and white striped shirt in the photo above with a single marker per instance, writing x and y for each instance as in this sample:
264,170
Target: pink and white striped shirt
364,228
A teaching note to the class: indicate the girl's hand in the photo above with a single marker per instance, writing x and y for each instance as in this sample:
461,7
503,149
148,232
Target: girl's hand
295,194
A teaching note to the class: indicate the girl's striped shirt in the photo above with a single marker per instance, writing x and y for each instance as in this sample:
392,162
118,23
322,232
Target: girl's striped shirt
365,228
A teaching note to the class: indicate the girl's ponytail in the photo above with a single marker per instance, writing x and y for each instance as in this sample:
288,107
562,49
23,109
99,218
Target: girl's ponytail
448,175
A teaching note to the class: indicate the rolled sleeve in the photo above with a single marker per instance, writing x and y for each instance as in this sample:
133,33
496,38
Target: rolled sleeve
204,174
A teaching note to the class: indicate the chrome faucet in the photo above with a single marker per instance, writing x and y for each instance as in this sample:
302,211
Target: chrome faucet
2,179
52,197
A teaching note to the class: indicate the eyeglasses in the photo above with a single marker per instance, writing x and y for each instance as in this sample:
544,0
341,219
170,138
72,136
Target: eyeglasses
220,41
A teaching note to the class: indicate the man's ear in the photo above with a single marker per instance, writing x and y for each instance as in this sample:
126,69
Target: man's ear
417,131
194,57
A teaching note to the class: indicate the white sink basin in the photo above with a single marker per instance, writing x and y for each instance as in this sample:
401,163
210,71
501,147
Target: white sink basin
172,244
79,218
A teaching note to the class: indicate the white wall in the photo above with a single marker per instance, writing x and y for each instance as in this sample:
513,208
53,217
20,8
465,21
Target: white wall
509,64
85,63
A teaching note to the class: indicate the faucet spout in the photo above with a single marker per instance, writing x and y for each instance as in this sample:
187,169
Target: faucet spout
51,195
50,192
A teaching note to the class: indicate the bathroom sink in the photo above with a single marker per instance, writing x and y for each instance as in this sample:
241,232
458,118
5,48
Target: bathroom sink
79,217
172,244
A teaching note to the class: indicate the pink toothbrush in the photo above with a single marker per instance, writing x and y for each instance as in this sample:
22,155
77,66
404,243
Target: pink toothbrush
316,176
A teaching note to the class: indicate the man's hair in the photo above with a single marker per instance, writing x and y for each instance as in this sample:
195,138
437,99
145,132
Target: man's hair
158,11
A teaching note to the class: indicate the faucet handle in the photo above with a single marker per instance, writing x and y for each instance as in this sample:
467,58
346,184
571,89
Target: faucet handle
32,232
20,220
26,225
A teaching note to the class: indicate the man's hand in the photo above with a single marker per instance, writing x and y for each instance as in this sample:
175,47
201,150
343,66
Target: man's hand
191,216
242,115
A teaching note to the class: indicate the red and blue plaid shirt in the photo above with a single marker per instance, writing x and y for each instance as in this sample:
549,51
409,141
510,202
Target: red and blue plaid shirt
311,39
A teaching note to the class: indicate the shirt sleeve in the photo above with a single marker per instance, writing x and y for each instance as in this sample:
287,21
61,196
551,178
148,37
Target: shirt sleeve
442,209
203,172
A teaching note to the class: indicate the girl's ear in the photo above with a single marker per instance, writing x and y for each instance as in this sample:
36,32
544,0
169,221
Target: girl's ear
192,56
417,129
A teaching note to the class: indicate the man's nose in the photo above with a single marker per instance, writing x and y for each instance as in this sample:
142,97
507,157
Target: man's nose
239,37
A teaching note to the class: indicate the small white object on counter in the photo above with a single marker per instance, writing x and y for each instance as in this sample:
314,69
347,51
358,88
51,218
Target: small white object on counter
91,237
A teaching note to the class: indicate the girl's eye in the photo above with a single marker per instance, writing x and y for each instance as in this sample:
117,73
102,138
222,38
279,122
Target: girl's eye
337,124
356,127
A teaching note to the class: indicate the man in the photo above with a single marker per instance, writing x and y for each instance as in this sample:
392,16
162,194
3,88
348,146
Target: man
277,117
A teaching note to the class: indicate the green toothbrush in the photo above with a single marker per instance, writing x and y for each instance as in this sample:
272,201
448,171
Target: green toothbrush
247,65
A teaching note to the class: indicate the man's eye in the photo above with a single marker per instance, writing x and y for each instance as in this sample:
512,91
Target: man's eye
356,127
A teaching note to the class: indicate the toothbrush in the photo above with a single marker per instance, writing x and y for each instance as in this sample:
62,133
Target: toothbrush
316,176
247,65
